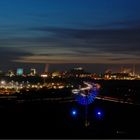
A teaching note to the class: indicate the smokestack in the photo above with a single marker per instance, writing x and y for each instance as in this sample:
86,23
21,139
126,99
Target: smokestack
46,68
133,69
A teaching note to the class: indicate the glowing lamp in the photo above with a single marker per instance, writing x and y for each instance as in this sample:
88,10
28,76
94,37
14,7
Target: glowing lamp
74,112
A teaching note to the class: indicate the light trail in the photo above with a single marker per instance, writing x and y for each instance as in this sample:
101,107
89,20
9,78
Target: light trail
68,99
111,99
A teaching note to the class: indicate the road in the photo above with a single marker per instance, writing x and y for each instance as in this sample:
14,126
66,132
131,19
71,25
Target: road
68,99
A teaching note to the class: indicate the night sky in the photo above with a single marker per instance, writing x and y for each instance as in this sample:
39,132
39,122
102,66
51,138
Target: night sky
95,34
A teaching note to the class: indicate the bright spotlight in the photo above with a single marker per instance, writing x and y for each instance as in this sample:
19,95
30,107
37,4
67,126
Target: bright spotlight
74,112
99,114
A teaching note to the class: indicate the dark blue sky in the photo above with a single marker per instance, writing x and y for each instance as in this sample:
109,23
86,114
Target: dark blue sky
69,31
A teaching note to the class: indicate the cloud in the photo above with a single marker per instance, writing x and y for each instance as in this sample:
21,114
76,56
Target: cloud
124,41
70,45
130,60
77,59
120,24
8,54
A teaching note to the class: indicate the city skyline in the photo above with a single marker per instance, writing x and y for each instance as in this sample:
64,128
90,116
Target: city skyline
95,68
70,33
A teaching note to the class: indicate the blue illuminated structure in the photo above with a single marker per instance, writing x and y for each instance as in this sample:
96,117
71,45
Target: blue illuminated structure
19,71
86,96
87,99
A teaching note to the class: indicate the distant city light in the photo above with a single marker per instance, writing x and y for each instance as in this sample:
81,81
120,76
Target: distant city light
3,82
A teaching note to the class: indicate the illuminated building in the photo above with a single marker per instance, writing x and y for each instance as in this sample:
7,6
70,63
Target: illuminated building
19,72
33,72
125,70
78,72
44,75
56,74
10,73
78,69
